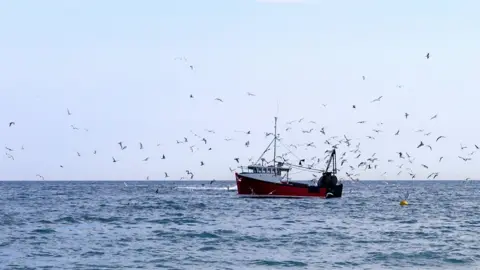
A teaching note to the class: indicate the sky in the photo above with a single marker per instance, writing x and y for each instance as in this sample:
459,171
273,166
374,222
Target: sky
112,64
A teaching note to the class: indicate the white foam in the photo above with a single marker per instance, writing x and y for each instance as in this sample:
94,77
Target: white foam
232,188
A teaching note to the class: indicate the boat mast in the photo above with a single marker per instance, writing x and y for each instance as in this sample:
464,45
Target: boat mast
275,148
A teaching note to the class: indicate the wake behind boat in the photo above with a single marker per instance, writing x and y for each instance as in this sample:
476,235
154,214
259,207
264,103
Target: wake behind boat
260,181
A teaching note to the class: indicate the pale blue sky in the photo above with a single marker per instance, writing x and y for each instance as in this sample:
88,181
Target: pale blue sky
111,63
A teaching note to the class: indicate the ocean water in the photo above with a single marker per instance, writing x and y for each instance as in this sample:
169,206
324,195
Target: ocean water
110,225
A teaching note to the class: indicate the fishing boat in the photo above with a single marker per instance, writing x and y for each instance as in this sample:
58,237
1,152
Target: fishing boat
272,181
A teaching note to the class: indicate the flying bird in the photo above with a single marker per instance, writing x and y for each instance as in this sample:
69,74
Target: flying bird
440,137
122,147
377,99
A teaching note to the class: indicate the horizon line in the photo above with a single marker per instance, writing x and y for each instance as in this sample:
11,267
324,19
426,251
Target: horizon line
209,180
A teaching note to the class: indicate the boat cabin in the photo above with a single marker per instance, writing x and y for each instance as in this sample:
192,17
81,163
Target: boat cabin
267,173
267,170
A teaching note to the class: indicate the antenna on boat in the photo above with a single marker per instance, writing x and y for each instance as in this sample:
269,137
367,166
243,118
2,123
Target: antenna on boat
275,148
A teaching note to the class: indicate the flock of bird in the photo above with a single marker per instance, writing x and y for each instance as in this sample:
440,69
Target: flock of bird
352,159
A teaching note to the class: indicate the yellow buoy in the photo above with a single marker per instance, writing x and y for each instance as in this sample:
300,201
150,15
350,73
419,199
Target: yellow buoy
403,202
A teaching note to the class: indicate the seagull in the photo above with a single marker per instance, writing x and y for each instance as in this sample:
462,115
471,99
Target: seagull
11,124
250,94
377,99
420,145
439,137
121,145
166,175
146,159
114,160
398,131
219,99
68,112
433,117
237,160
141,146
38,175
427,56
406,115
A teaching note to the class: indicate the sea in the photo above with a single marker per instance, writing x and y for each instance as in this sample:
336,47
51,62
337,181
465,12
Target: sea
203,225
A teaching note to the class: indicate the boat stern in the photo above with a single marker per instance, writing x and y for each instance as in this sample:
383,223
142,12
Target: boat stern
335,192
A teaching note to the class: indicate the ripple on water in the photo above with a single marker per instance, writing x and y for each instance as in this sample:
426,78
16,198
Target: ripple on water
286,263
43,231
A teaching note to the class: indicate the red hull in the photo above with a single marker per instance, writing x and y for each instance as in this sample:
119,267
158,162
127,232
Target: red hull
258,188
